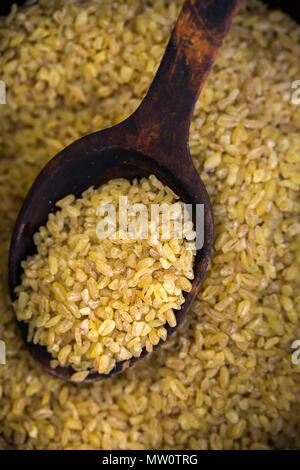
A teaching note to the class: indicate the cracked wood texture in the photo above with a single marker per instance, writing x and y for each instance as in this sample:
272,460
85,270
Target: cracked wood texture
163,119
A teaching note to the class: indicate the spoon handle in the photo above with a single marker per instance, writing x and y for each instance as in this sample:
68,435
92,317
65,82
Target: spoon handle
164,116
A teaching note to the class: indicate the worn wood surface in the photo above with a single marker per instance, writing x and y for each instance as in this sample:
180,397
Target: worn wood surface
153,140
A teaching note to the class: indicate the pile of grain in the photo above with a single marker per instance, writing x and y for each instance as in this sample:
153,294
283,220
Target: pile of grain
226,379
99,290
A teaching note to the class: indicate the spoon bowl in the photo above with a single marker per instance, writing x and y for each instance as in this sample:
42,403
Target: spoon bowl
153,140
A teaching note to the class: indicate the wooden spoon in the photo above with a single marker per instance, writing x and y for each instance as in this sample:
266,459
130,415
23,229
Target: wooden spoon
154,139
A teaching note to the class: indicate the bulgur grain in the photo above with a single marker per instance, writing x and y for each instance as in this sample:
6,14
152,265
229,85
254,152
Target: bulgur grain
52,99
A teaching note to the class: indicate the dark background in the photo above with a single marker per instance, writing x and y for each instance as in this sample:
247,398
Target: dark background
290,6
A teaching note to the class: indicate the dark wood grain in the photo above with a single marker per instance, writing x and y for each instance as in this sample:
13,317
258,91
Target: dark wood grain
153,140
199,33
